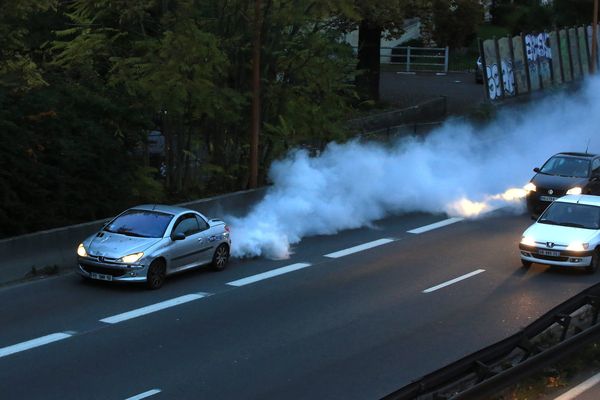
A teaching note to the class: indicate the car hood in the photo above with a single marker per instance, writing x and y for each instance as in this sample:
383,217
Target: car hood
558,182
114,245
559,234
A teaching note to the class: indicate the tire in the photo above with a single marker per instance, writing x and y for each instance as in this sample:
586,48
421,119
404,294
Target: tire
220,258
157,273
525,263
593,267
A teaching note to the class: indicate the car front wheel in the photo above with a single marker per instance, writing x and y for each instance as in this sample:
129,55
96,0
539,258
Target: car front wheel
220,257
593,267
525,263
156,275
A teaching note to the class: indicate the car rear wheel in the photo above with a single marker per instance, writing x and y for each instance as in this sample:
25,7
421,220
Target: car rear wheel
220,258
156,275
525,263
593,267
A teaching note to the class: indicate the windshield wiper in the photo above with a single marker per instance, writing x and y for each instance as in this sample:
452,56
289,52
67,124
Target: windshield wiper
548,221
573,224
128,233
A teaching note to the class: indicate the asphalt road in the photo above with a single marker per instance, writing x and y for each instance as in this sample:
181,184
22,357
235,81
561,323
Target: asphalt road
406,90
358,326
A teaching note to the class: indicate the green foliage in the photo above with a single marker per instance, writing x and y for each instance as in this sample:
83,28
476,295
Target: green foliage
18,70
456,22
83,82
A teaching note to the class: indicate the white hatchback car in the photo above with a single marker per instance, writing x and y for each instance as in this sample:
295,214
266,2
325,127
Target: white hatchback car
566,234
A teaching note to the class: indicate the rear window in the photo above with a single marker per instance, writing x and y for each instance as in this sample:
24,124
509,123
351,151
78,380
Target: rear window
140,223
570,214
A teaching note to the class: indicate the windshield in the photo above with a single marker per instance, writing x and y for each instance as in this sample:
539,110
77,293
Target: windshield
140,223
567,166
570,214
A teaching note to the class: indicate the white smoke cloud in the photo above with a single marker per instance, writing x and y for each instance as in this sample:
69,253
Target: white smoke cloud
459,169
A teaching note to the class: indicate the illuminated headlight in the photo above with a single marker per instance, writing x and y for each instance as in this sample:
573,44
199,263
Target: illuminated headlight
81,251
578,246
130,259
530,187
575,190
528,241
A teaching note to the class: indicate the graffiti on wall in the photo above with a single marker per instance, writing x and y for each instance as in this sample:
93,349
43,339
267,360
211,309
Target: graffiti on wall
538,46
525,63
539,57
508,79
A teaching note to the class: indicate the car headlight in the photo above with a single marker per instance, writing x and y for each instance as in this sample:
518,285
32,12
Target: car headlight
578,246
528,241
575,190
130,259
81,251
530,187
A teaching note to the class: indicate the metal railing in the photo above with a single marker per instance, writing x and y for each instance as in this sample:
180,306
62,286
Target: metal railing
552,337
426,59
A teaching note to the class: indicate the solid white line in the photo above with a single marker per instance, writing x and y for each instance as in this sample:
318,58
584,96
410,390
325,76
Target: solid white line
152,308
30,344
358,248
582,387
268,274
450,282
144,395
436,225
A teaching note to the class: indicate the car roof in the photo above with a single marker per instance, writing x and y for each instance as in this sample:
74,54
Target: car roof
575,154
581,199
162,208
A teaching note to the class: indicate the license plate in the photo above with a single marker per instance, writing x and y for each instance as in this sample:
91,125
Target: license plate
101,277
549,253
548,198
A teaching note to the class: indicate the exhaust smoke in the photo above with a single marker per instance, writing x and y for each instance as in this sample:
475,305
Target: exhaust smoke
459,169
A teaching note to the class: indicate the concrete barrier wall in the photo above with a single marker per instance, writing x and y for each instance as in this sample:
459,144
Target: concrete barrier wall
54,250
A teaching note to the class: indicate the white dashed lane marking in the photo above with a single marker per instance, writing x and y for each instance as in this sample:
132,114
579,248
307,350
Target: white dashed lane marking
452,281
153,308
436,225
30,344
360,247
144,395
268,274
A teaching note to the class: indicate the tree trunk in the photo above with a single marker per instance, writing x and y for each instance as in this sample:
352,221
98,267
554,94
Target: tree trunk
369,39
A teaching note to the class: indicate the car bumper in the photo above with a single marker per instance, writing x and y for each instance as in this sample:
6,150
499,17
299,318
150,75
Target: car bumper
112,272
535,205
564,259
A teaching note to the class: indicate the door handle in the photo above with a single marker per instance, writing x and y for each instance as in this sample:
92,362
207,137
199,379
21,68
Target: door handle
200,240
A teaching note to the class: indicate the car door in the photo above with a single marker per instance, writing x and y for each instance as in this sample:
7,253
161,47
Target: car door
208,242
184,253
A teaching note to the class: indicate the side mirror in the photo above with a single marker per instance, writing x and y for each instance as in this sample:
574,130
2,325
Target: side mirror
536,170
178,236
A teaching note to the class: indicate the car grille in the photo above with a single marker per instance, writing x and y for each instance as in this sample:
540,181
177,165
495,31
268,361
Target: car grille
103,270
556,193
551,258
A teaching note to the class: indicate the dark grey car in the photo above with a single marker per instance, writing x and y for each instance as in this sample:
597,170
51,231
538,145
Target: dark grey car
149,242
563,173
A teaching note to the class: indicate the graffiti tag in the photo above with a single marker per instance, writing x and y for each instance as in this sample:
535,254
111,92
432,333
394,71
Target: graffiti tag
508,79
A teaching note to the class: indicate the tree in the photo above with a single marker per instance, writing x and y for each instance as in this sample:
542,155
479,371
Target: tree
455,23
374,20
18,70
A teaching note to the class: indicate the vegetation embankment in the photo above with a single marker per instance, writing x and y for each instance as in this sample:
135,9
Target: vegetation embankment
83,83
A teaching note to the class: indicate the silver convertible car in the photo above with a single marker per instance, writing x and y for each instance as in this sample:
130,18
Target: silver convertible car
146,243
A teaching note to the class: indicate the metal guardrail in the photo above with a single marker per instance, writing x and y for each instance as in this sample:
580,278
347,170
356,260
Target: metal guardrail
427,59
496,367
